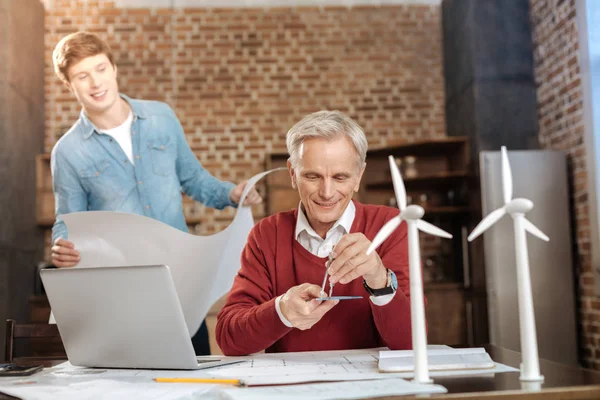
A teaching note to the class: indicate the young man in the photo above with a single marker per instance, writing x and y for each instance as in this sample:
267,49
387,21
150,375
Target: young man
123,154
272,305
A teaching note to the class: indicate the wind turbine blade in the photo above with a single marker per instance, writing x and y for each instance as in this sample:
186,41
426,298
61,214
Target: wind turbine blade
399,189
485,223
507,184
534,230
432,229
385,231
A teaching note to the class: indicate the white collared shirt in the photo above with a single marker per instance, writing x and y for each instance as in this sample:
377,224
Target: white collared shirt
311,241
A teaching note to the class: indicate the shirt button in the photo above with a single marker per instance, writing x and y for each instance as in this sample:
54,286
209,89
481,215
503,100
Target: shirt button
133,133
148,207
110,139
162,147
97,173
137,157
139,182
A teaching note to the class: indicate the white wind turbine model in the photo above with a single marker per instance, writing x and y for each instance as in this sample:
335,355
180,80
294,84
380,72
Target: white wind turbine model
412,215
517,208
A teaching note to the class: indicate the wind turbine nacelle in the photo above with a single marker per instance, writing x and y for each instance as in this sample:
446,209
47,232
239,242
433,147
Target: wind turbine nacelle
412,212
519,206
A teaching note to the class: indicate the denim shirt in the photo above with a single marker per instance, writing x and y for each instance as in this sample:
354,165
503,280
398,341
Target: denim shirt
90,170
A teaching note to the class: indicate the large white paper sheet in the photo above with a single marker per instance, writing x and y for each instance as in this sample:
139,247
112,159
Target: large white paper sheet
258,369
203,267
346,368
330,391
323,366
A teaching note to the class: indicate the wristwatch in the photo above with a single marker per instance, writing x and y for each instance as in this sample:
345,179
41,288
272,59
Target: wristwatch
392,285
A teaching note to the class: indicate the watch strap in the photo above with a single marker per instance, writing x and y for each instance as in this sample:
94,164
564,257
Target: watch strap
389,289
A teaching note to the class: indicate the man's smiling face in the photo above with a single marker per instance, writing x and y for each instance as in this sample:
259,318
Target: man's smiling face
327,175
93,80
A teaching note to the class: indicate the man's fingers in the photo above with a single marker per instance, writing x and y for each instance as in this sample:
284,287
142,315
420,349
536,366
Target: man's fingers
345,241
64,250
352,275
65,257
350,258
311,292
253,198
64,243
347,249
64,264
352,269
323,308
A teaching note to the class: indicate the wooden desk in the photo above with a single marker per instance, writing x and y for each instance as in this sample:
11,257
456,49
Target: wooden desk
562,382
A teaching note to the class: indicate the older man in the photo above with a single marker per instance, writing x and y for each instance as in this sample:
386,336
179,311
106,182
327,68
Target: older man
273,302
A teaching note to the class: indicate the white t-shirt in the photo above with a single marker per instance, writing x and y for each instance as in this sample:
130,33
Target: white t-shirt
122,134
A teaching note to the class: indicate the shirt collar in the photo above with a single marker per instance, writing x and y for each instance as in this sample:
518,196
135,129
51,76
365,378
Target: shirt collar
88,126
345,221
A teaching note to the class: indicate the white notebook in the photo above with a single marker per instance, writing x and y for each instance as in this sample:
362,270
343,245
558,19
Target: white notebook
438,360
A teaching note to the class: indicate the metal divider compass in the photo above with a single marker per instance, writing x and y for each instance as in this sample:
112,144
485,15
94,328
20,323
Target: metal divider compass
331,297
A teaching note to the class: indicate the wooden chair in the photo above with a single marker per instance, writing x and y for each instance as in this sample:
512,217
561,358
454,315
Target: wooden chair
42,341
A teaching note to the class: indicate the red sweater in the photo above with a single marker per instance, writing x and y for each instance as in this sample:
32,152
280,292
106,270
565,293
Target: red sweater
273,261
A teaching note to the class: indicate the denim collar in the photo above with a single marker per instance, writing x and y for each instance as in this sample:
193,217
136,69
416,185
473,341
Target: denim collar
89,128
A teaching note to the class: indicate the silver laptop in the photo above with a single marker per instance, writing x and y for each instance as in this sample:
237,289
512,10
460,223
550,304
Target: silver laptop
122,317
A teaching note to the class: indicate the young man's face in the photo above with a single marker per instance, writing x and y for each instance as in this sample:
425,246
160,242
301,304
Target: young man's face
93,80
327,176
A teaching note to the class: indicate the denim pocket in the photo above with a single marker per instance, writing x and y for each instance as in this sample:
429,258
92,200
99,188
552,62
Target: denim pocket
94,171
161,155
101,185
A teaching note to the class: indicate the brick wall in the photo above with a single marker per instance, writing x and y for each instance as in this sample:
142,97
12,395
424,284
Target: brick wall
240,78
561,127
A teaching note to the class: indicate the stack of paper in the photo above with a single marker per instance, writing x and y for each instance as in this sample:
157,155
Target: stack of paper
438,360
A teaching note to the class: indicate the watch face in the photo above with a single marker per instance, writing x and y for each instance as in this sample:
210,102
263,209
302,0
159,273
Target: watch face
394,284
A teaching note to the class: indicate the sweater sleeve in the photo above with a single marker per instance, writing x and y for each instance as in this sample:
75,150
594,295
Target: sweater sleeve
393,320
248,322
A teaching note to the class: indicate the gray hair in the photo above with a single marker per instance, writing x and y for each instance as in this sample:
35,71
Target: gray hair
326,125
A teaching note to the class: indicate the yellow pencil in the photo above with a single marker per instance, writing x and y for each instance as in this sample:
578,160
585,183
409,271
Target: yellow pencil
236,382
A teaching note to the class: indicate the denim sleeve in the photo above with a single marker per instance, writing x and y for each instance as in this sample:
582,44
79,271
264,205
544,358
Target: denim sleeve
69,195
196,181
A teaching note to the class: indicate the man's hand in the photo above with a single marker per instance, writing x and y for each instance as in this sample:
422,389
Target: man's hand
252,198
299,307
64,254
351,261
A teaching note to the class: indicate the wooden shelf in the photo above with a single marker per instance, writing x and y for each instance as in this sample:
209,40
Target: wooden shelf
421,148
442,170
445,210
442,286
451,177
